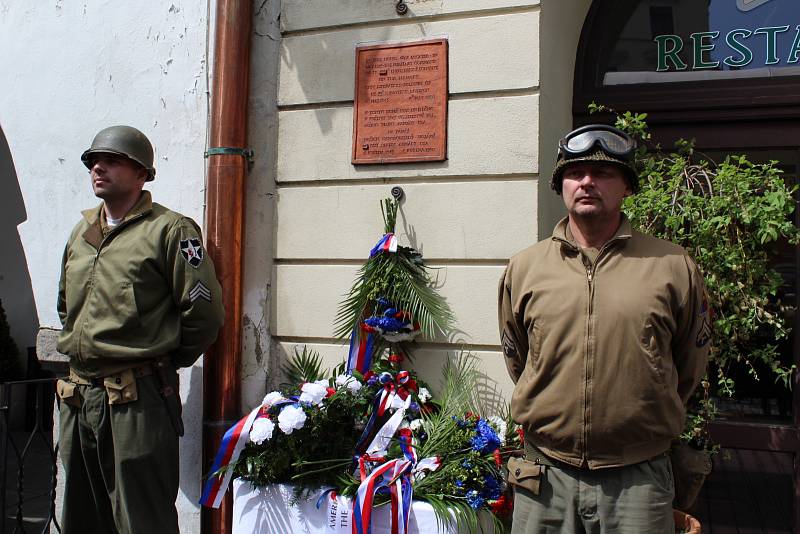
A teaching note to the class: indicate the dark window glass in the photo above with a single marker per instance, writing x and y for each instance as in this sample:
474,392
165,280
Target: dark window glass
661,21
658,41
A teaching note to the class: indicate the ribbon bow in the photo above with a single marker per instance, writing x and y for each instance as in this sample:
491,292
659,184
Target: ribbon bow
394,477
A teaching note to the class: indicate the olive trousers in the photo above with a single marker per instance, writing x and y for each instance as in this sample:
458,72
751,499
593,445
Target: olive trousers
120,462
634,499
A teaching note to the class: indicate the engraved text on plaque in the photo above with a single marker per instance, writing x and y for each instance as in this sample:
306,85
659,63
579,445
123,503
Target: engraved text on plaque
400,112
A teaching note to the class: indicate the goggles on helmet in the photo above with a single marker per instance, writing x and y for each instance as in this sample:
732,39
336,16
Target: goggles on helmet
587,139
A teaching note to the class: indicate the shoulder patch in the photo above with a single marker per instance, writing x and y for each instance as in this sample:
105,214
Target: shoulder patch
704,332
192,251
509,349
200,291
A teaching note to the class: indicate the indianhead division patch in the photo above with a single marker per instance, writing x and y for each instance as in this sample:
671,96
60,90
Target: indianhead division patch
200,291
192,251
509,349
704,332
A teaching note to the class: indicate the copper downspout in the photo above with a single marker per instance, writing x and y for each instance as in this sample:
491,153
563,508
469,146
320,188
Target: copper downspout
224,223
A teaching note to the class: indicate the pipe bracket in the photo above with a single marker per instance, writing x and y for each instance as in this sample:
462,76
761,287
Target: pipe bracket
246,153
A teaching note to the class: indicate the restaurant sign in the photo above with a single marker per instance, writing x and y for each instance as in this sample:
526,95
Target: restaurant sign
738,46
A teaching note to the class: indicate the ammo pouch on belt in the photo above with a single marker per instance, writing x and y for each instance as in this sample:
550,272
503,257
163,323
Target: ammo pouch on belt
121,387
525,474
66,392
690,467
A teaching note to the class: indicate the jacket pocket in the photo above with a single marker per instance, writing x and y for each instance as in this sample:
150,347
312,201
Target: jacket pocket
126,307
536,346
652,354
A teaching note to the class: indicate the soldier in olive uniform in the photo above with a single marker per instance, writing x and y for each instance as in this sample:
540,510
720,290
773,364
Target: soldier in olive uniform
137,299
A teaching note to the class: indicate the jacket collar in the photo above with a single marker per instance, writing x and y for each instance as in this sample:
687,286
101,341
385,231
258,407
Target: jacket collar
94,234
625,231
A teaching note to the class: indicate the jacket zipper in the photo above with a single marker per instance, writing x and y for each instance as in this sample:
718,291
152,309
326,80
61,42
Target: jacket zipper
590,275
92,279
587,362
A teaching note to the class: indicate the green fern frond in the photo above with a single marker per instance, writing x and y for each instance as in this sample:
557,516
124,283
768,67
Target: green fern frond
304,366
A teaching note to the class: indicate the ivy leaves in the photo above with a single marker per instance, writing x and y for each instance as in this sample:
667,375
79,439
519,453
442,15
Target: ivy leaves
727,215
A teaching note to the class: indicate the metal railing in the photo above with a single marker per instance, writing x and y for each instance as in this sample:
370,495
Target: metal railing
28,457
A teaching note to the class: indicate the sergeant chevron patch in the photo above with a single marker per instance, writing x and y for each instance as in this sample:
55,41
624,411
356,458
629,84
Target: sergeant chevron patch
199,291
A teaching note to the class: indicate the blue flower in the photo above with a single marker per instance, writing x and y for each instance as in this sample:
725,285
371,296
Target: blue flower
462,423
474,499
388,324
414,407
491,488
485,439
466,464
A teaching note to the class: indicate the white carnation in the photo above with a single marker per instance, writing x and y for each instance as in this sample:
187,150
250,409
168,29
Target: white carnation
424,395
291,418
500,426
415,425
262,430
313,392
271,398
350,382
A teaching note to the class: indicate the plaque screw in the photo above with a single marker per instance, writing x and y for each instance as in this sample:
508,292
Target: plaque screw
401,7
365,146
398,193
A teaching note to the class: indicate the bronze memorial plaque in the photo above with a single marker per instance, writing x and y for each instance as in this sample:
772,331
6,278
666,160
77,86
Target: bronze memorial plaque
400,112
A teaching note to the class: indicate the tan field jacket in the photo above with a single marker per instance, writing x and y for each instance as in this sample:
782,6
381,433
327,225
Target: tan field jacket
144,290
604,354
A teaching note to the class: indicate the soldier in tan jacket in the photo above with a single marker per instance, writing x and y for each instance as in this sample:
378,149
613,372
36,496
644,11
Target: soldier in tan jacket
605,333
138,298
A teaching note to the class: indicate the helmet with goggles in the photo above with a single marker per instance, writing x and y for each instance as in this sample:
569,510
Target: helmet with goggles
596,143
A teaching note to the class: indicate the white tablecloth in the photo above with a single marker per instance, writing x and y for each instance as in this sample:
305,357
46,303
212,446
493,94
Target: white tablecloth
268,510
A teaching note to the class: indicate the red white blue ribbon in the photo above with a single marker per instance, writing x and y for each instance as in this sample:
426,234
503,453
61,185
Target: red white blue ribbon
229,450
362,345
388,243
233,443
394,477
388,477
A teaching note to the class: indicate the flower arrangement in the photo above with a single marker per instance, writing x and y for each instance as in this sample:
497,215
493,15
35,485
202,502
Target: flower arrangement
284,444
370,429
455,457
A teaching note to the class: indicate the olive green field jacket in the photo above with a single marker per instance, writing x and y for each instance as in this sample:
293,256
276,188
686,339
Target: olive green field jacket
145,290
604,354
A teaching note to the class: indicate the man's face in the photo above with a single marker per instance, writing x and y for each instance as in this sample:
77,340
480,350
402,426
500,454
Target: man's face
116,177
594,190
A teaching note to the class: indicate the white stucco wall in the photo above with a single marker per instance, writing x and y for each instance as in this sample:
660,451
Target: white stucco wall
69,69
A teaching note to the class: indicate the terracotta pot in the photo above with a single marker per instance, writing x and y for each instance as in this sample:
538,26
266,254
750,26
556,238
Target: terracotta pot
686,523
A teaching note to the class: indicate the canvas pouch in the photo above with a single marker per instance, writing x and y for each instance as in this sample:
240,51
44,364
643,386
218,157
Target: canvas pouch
525,474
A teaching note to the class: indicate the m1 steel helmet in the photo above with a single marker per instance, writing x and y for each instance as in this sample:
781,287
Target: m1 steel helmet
596,143
122,141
